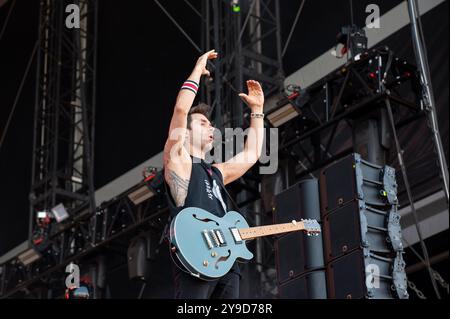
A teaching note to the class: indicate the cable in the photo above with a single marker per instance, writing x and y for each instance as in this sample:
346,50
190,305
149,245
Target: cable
405,179
300,9
7,19
178,26
349,50
415,252
435,273
144,284
352,21
19,91
194,9
408,191
420,52
224,78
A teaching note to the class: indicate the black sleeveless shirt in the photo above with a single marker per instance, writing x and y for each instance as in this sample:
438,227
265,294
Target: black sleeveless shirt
204,191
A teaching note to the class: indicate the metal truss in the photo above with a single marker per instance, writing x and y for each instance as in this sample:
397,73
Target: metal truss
62,164
247,35
81,240
357,91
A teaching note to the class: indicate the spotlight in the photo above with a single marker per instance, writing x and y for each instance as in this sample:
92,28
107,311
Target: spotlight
282,115
153,181
44,218
81,292
140,195
288,108
352,38
60,213
29,256
42,215
235,6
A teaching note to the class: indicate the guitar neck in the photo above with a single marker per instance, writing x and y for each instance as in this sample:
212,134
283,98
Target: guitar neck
260,231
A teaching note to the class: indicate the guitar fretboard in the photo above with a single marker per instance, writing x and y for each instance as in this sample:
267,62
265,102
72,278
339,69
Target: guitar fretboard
255,232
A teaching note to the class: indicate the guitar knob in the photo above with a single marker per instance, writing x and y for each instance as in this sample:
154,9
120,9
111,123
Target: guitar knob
205,263
213,254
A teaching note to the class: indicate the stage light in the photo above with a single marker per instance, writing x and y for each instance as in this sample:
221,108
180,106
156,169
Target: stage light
140,195
235,6
81,292
282,115
42,215
60,213
353,39
288,108
153,184
29,256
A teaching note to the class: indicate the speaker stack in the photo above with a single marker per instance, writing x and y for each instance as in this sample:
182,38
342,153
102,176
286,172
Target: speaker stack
360,248
361,230
299,258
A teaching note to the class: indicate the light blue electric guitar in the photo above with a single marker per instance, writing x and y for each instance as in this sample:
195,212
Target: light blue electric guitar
207,246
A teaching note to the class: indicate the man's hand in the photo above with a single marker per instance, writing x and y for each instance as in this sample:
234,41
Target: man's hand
255,97
203,60
243,161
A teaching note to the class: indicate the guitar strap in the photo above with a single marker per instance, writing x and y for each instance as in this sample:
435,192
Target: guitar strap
210,171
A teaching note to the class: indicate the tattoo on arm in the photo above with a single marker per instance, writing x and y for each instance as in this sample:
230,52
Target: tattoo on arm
178,187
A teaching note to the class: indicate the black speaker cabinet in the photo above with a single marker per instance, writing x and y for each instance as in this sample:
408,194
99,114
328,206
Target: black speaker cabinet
354,226
298,201
310,285
360,274
288,205
337,185
352,178
296,252
138,263
290,257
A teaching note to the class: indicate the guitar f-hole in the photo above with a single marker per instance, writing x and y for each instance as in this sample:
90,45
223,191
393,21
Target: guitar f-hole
222,258
205,220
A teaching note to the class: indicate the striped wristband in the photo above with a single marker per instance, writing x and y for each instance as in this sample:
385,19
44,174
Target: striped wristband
190,85
257,115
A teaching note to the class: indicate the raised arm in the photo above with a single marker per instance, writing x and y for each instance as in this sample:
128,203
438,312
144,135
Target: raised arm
184,102
177,162
236,166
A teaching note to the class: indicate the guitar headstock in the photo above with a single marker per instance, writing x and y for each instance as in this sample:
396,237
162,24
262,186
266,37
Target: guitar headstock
311,227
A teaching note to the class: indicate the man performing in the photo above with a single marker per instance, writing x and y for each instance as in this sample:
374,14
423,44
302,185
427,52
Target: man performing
195,183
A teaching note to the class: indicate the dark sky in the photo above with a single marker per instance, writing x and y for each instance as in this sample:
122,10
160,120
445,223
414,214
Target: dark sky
142,60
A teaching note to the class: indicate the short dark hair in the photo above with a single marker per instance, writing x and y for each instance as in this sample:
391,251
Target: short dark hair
201,108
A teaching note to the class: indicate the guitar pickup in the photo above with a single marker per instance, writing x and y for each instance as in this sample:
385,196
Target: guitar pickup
207,239
236,236
220,237
214,238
